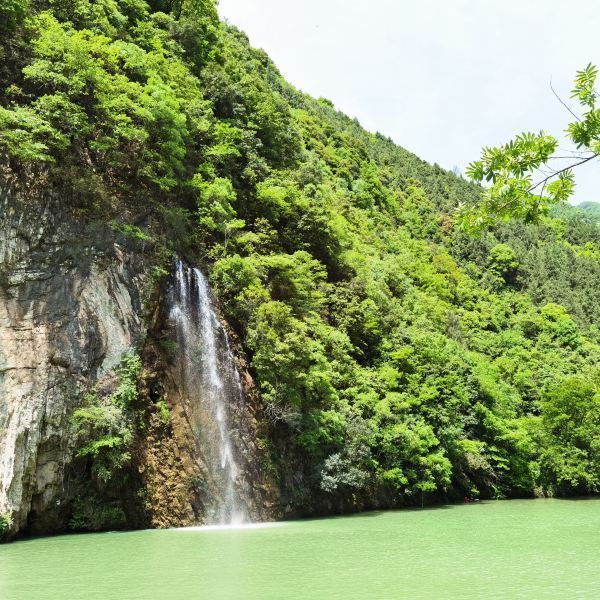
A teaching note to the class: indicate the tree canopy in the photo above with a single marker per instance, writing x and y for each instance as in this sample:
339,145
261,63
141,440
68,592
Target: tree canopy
397,355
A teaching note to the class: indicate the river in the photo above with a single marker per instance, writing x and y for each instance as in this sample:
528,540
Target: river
505,549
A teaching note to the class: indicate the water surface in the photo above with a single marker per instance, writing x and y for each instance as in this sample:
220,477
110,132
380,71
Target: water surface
514,549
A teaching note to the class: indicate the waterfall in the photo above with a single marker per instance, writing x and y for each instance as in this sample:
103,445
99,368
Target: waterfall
211,382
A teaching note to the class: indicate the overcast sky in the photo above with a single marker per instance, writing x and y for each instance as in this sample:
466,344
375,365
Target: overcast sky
440,77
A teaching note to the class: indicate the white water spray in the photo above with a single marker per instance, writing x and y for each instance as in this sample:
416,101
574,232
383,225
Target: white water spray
212,383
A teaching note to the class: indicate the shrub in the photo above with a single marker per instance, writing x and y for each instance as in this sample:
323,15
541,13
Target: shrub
104,426
6,522
90,513
164,412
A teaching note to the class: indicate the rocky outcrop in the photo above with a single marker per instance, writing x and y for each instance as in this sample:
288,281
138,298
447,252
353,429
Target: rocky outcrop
171,456
72,303
70,306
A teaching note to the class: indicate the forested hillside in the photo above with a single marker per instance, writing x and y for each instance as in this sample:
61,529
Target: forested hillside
591,208
399,358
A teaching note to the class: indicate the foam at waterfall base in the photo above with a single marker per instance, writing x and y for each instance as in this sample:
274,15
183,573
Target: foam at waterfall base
229,527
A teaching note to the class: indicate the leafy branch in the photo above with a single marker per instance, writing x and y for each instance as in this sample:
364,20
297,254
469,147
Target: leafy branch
512,169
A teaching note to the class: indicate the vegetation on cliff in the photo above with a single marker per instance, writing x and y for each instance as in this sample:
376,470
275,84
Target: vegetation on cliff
398,356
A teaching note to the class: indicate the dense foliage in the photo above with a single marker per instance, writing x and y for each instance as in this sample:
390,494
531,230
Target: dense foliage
103,425
104,431
397,356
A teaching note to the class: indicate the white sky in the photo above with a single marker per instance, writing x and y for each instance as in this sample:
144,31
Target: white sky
440,77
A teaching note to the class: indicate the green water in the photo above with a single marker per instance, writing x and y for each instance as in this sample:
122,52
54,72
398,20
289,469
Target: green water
515,549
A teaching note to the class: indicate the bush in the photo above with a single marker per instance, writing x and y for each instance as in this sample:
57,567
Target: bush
104,426
164,412
90,513
105,434
6,522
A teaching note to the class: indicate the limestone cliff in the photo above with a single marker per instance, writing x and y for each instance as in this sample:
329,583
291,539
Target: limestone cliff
172,463
71,305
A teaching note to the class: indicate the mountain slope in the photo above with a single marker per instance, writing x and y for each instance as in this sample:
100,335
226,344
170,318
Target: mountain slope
397,359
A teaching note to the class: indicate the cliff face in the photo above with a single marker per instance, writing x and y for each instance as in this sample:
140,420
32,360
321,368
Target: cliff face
170,455
71,305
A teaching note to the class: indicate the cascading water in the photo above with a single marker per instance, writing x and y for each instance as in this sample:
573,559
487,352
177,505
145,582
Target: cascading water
213,386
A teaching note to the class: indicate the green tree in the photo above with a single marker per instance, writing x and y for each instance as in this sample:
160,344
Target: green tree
571,426
516,190
12,13
215,207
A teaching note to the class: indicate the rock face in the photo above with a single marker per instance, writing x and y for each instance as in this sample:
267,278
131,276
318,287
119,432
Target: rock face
70,306
179,456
